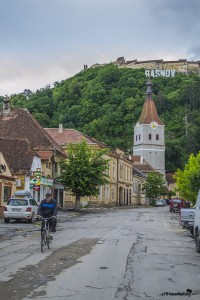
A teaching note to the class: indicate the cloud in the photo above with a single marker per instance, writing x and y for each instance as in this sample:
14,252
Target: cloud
43,41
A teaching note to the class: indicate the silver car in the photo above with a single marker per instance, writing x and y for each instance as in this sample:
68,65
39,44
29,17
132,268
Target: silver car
160,202
20,209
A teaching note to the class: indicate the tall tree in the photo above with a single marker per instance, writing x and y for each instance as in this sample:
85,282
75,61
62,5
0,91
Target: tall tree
188,180
84,171
154,186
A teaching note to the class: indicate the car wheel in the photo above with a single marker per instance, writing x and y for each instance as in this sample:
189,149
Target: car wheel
32,220
6,220
197,242
191,231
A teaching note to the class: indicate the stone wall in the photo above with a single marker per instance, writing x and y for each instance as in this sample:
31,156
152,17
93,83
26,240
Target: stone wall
181,65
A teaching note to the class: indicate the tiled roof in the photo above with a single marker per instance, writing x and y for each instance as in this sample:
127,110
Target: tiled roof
170,178
138,172
21,124
67,136
18,154
141,164
45,155
149,113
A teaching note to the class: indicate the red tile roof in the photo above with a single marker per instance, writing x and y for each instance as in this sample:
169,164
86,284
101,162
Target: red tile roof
21,124
68,136
141,164
45,155
170,178
18,154
149,113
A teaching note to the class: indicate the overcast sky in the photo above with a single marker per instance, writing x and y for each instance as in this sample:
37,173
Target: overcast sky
43,41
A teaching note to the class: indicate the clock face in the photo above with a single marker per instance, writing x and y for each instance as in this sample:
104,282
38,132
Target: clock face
154,125
138,125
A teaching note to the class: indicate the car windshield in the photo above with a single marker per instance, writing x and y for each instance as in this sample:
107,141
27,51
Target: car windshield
177,201
18,202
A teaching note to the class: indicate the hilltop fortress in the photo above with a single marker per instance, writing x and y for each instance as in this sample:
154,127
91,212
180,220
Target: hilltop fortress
160,67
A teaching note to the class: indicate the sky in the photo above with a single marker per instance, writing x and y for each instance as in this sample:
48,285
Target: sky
43,41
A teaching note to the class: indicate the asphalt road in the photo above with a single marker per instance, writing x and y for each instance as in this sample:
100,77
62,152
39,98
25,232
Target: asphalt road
114,254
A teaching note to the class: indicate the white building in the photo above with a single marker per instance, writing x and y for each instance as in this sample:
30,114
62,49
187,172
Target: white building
149,141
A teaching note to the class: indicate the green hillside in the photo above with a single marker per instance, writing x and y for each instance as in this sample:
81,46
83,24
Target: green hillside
105,103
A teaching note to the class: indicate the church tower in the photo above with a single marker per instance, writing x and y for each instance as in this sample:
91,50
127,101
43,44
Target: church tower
149,140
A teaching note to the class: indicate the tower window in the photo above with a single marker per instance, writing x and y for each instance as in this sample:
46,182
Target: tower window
136,137
139,136
157,137
150,136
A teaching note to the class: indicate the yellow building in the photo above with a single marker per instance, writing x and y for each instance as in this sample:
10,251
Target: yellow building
7,183
107,194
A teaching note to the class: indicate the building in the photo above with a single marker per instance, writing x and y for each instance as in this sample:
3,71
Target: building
119,189
22,160
19,124
138,194
7,182
149,140
180,66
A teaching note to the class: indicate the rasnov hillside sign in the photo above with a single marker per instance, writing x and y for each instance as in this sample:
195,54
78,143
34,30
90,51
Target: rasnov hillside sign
157,73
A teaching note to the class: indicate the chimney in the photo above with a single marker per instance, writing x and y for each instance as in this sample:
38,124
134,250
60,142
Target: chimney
141,159
6,105
60,129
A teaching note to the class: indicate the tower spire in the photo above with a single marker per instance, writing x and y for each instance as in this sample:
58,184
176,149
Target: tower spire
149,90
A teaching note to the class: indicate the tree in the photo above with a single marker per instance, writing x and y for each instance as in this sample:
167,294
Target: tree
188,180
154,186
84,171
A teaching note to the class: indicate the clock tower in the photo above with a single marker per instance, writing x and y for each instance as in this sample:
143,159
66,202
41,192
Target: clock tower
149,140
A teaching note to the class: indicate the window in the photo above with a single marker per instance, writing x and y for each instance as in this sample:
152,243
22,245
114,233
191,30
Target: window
136,138
7,193
139,136
157,137
48,165
149,136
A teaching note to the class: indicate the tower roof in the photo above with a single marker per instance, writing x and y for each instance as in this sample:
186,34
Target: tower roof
149,113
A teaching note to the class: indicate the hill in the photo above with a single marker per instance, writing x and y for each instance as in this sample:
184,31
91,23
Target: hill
105,102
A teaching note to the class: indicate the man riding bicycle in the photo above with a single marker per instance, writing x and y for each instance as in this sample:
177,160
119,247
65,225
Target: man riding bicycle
47,209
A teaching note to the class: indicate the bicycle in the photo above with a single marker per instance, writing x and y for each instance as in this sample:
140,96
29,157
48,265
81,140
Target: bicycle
45,233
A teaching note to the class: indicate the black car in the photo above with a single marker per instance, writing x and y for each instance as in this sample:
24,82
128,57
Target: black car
167,201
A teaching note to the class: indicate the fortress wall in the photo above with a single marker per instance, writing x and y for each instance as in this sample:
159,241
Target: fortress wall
182,65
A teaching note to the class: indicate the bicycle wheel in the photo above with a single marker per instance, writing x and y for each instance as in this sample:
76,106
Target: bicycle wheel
43,240
48,240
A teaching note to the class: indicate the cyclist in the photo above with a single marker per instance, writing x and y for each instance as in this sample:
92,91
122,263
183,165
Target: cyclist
47,209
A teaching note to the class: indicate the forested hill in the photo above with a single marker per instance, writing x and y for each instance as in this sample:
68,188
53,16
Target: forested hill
105,102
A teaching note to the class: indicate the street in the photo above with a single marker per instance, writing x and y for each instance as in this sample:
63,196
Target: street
136,253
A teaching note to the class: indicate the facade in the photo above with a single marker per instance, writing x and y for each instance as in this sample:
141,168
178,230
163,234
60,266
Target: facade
149,135
40,172
138,195
120,172
125,179
22,160
107,194
7,182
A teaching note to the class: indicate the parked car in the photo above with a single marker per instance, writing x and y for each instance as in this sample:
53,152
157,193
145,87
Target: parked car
20,209
160,202
167,201
176,205
187,218
196,228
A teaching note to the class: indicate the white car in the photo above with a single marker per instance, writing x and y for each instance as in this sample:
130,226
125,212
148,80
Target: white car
20,209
